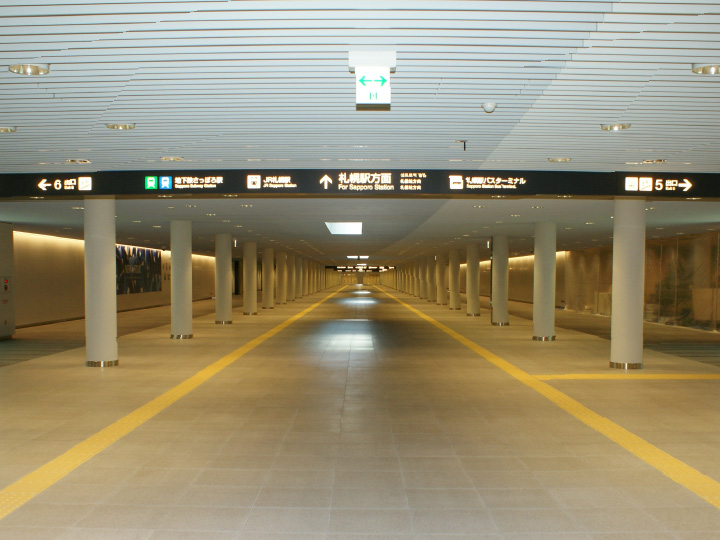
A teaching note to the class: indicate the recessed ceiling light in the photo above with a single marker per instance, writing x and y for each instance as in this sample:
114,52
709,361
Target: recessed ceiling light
136,221
479,206
653,161
226,221
77,161
536,207
211,215
30,69
559,159
165,196
7,129
246,206
171,158
589,223
229,195
157,226
564,196
363,256
614,127
498,196
37,198
120,126
191,206
514,215
344,227
238,226
706,69
352,256
78,208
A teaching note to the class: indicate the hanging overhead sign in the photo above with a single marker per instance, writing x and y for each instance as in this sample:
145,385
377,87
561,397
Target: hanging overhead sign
365,182
372,87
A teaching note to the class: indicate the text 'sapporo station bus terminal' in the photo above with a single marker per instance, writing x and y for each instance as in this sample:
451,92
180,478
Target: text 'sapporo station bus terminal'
329,271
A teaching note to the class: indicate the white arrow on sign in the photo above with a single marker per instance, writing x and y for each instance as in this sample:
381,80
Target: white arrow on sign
44,184
325,181
685,184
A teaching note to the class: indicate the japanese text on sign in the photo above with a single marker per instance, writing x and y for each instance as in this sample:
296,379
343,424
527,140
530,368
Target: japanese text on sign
486,182
649,183
365,181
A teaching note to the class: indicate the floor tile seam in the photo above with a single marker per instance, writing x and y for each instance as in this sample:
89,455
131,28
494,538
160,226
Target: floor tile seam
26,488
702,485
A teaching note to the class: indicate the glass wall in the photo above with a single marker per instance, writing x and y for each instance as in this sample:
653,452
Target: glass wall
682,276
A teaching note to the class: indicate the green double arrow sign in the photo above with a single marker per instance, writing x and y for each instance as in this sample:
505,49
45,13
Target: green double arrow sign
382,80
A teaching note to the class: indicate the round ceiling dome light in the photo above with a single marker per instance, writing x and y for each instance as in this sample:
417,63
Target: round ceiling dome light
172,158
77,161
30,69
7,129
559,159
614,127
706,69
120,126
489,107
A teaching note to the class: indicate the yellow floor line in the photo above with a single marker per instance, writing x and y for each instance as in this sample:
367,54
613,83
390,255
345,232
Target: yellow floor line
31,485
629,376
683,474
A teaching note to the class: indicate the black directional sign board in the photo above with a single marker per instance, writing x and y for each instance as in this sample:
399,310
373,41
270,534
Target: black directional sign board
364,183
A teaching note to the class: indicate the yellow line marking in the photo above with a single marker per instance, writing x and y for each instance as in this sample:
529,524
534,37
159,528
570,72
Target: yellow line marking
31,485
628,376
700,484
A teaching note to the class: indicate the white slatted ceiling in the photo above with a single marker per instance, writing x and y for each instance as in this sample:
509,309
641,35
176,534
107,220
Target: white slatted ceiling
238,84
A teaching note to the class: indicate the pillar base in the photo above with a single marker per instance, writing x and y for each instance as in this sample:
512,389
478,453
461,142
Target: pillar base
223,322
626,365
501,324
268,307
255,313
101,363
455,309
543,338
473,314
181,336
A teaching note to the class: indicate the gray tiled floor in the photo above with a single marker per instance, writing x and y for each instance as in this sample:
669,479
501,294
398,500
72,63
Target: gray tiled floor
358,421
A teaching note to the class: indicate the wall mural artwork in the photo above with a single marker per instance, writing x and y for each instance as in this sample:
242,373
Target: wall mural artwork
138,270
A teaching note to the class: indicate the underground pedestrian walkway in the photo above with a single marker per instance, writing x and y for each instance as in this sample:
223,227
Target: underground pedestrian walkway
359,412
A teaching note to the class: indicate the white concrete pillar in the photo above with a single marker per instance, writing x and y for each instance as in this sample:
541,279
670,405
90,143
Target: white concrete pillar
430,279
7,283
223,279
417,287
544,282
454,279
422,276
281,277
101,348
250,278
181,279
268,276
472,282
290,278
305,277
298,277
440,273
628,278
500,276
